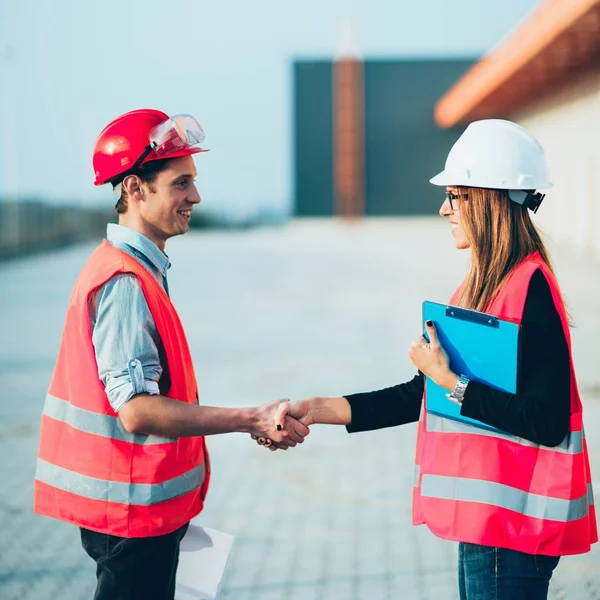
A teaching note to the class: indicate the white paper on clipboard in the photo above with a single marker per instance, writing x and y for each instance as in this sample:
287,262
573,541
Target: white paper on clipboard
202,560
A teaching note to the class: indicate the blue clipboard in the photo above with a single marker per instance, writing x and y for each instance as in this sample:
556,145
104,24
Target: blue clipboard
480,346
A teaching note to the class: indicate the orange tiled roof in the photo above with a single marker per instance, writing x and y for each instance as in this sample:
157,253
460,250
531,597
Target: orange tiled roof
558,42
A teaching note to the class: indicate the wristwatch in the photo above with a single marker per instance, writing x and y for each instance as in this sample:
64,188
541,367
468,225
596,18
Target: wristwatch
458,395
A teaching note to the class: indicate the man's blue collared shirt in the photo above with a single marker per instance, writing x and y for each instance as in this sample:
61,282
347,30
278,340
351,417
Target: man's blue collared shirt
126,343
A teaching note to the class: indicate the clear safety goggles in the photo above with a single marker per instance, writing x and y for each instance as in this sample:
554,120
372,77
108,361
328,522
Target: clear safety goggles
171,136
177,133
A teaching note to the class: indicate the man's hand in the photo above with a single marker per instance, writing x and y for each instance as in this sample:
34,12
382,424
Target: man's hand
265,431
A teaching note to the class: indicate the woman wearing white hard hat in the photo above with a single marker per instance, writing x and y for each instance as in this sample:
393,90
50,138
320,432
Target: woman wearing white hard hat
517,501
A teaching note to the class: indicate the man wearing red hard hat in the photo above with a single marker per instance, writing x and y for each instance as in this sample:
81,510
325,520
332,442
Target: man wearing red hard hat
122,449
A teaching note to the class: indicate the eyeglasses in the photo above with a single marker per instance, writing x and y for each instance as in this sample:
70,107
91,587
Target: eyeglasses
454,198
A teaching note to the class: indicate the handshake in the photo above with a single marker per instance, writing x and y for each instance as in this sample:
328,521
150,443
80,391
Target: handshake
282,424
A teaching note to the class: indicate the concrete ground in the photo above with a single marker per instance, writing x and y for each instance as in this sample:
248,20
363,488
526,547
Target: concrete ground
313,308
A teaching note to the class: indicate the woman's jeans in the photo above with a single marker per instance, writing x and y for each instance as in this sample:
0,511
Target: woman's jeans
486,573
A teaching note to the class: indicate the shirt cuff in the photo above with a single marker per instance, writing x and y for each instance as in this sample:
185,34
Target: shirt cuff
119,396
470,401
121,390
358,416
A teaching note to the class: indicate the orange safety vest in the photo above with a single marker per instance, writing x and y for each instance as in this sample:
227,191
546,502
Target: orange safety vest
495,489
91,472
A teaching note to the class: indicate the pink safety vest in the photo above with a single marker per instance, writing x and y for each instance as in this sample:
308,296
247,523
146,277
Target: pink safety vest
93,473
479,486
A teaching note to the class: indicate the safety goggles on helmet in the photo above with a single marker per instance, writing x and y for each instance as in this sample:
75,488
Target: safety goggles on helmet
171,136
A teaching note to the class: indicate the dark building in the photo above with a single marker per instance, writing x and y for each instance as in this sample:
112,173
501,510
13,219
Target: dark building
401,147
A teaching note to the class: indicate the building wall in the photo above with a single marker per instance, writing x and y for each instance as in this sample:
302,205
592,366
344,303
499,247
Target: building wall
313,138
568,127
403,146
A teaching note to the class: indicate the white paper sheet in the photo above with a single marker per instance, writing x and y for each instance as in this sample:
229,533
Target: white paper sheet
202,560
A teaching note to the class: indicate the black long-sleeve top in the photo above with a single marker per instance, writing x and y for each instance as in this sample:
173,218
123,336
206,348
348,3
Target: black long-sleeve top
538,412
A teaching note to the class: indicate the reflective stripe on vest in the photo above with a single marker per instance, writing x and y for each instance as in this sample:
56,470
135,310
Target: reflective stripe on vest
416,473
504,496
572,444
103,425
143,494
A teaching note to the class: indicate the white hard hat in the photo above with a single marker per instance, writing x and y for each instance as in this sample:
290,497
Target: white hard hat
501,155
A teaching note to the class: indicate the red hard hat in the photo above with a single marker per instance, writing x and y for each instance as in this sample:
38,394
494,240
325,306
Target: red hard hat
123,141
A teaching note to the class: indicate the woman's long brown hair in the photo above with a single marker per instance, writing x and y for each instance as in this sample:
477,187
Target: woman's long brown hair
501,235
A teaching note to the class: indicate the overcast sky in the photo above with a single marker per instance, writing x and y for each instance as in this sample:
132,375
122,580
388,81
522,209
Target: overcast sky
69,66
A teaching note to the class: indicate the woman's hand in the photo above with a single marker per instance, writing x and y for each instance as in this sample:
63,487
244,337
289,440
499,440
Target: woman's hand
300,410
431,359
290,418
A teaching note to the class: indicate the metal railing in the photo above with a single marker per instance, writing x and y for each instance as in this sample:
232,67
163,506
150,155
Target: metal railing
27,226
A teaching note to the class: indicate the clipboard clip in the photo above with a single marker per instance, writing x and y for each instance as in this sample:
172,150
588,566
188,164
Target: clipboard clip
472,316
